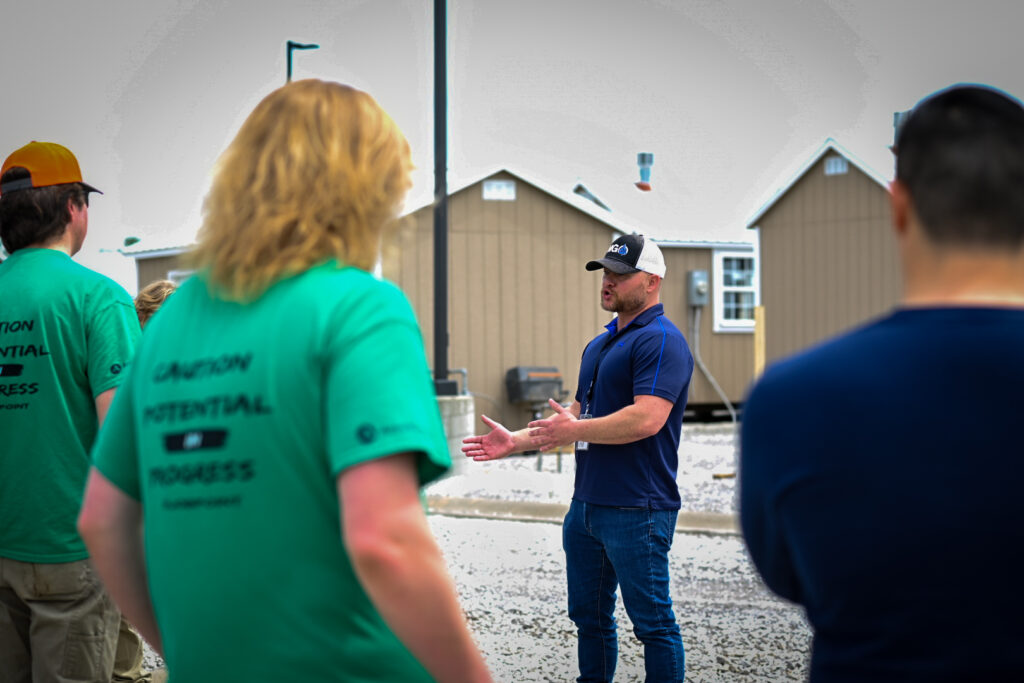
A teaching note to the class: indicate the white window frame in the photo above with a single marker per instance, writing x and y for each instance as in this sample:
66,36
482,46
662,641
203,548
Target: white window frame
179,276
836,164
719,289
499,190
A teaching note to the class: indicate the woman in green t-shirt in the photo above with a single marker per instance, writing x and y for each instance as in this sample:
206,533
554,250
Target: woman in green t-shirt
278,422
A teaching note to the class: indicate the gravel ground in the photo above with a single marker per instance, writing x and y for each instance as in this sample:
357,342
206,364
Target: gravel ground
511,577
511,581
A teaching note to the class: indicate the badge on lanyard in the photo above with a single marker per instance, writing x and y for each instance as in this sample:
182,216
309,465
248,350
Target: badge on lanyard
583,445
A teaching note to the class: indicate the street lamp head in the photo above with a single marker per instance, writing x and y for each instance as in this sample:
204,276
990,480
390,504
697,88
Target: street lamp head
292,45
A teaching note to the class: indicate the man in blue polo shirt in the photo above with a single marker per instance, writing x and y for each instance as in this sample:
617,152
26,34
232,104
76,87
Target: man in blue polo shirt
881,470
626,419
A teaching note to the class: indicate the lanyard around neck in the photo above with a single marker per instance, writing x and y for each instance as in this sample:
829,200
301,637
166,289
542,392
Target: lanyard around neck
589,398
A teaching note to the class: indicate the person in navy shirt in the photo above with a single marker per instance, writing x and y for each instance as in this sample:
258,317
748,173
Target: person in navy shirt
625,421
880,471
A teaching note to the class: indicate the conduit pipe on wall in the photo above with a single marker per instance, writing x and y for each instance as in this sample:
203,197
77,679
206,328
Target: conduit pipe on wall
695,345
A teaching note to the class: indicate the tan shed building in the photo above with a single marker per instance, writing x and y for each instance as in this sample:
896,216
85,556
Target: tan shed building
827,252
159,264
519,294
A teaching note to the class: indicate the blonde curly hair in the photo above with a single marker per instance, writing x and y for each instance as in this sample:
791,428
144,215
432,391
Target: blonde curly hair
318,171
151,297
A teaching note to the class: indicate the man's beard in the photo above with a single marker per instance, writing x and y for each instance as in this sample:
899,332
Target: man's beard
619,304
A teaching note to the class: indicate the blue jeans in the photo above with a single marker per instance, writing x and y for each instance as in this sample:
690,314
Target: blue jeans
607,547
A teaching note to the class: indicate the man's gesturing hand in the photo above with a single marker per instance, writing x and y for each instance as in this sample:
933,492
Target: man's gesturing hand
497,443
557,430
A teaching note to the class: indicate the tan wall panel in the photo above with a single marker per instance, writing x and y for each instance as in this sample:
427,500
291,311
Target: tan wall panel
728,356
519,294
506,261
153,269
828,259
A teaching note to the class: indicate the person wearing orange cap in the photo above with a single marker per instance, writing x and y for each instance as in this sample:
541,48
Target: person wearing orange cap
66,335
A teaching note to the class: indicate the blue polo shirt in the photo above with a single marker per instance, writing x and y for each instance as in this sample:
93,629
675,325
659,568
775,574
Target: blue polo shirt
648,357
880,489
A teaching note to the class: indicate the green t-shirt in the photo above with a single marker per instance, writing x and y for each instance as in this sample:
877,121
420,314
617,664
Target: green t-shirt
231,430
66,335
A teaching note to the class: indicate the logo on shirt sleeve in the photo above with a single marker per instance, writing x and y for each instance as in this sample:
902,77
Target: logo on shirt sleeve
366,433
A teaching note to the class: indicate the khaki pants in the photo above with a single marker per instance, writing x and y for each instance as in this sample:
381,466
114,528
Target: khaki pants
128,656
57,623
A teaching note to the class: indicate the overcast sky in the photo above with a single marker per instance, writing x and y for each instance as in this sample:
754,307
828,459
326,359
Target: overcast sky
731,96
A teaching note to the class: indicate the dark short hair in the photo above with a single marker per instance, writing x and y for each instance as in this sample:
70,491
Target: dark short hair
960,154
35,215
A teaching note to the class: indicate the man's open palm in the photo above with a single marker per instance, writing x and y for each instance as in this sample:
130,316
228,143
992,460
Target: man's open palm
497,443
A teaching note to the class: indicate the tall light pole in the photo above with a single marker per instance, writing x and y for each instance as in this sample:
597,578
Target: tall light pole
442,385
292,45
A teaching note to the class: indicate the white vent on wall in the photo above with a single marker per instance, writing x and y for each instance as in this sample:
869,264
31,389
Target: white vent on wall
500,190
836,165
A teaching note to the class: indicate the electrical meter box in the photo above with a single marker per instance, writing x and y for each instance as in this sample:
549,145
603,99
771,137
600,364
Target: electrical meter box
697,287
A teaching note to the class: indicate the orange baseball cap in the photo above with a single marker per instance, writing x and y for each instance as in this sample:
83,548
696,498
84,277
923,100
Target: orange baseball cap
47,163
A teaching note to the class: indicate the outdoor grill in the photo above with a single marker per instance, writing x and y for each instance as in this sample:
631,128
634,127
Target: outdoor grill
528,385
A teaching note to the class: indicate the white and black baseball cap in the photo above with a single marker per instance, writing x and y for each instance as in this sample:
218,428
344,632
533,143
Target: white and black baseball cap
631,254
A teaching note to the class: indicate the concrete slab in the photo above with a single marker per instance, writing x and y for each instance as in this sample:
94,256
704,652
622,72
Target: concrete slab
531,511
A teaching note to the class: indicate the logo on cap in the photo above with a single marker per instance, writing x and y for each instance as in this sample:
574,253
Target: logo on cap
620,249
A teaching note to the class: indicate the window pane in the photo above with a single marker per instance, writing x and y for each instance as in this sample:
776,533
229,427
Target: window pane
738,272
836,166
738,306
